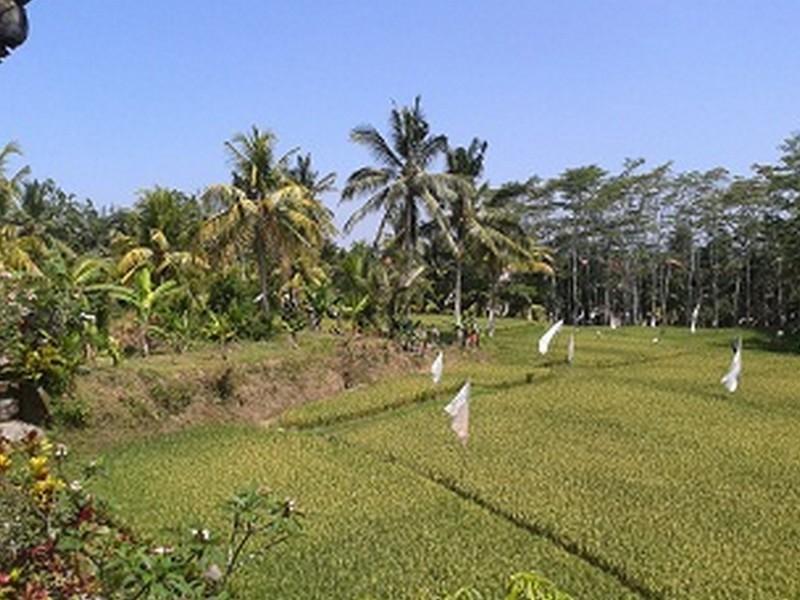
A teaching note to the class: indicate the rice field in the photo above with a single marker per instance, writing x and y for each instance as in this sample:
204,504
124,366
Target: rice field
630,474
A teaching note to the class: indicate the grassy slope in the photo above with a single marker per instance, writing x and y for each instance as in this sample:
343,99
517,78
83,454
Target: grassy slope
632,470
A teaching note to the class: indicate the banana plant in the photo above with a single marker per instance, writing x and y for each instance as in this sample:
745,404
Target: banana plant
145,299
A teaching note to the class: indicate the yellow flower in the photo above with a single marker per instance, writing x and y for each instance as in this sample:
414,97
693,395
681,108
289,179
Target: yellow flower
44,490
38,466
5,463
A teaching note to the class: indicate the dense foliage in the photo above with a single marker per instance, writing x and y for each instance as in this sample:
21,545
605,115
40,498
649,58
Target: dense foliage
256,256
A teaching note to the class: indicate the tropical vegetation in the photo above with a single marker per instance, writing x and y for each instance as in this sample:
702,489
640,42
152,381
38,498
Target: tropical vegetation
607,476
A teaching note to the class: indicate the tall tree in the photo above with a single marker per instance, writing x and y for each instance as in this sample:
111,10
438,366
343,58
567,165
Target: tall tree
485,221
401,184
164,224
277,218
575,190
467,164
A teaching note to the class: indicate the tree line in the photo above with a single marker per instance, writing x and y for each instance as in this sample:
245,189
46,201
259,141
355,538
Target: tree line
256,254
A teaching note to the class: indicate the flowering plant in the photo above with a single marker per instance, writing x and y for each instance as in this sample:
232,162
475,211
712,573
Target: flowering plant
58,541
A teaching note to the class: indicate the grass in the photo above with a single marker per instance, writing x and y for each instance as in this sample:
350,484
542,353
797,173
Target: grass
630,474
207,355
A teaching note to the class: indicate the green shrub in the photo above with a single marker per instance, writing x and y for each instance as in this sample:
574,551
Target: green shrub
73,412
171,396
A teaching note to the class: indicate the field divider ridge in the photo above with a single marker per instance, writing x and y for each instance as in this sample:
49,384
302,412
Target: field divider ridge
570,546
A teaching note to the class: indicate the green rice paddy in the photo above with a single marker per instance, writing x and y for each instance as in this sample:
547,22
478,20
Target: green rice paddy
631,473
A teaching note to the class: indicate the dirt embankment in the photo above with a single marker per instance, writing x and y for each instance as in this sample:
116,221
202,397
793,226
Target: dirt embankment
247,383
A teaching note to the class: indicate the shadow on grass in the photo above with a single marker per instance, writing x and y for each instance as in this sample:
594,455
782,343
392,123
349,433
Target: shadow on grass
770,341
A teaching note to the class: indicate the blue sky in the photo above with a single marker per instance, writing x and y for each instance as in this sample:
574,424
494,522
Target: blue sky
112,96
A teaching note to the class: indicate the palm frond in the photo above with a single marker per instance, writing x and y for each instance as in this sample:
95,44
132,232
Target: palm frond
365,181
368,136
159,240
133,260
373,204
87,269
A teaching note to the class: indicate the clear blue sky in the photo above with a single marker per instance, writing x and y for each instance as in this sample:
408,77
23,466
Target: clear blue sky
111,96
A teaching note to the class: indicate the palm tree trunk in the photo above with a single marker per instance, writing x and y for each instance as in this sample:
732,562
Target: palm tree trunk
410,227
457,302
493,292
263,273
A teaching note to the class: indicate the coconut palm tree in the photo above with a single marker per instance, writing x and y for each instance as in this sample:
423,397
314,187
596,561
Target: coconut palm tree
280,220
401,183
466,164
158,255
304,174
515,251
21,249
20,252
482,220
161,234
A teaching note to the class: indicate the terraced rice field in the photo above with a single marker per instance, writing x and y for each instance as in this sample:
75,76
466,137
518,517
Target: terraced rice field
632,473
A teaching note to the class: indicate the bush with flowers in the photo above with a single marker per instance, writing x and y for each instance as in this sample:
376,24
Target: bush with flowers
58,541
42,331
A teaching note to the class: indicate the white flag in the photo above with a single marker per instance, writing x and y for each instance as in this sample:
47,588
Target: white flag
544,341
437,367
731,378
613,322
695,315
458,409
652,321
571,348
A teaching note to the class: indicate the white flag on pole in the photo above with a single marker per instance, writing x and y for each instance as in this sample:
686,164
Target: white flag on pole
571,348
458,409
731,379
695,315
613,322
437,367
544,341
